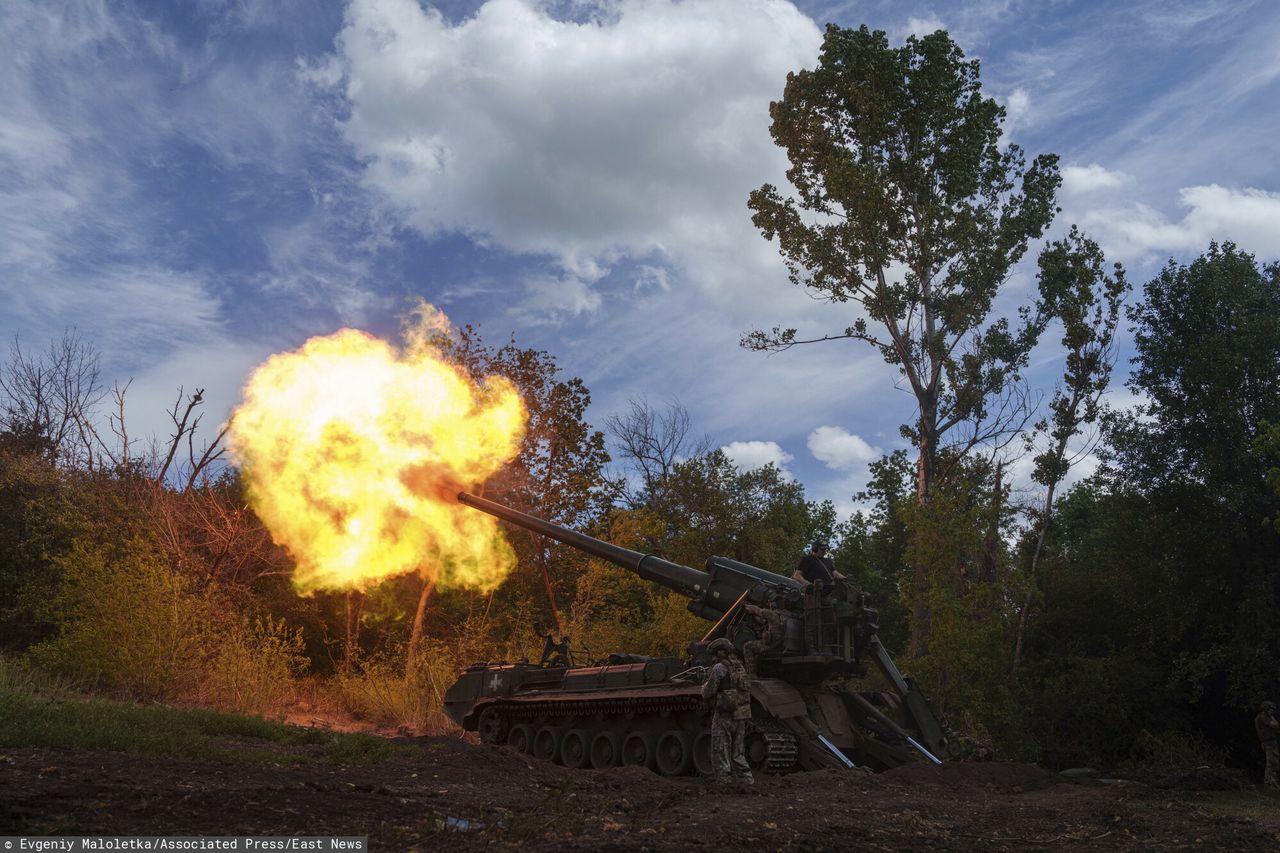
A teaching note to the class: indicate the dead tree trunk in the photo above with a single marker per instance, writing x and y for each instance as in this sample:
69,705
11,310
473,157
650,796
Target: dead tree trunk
415,636
351,643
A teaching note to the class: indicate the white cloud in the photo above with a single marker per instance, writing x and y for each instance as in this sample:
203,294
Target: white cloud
1084,179
638,135
1248,217
841,450
922,26
850,456
1017,112
749,455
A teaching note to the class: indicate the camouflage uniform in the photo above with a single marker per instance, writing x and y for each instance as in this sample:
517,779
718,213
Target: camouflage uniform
775,628
1267,727
727,688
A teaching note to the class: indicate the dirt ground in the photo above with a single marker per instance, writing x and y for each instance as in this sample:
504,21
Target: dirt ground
457,796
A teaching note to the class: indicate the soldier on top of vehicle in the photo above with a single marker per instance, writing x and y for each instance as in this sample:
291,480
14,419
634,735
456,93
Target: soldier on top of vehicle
774,622
816,565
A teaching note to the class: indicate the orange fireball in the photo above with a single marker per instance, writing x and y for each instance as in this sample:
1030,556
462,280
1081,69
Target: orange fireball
353,451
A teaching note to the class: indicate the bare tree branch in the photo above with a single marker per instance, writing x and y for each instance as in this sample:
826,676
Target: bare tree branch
183,426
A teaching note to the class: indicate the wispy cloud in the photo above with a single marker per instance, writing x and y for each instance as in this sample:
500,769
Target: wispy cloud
160,195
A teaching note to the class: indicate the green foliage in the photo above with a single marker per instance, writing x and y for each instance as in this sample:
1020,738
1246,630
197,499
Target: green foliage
377,691
1208,339
1159,577
129,622
1077,291
871,546
965,671
44,510
616,611
254,666
709,506
1087,709
17,675
36,522
1268,446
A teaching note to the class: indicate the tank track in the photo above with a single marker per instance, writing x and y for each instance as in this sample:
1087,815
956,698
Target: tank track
781,751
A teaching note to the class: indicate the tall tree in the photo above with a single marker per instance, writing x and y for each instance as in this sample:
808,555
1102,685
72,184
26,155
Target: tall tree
1077,290
908,206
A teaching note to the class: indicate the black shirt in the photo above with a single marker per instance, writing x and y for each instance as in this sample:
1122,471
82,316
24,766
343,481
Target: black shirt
815,568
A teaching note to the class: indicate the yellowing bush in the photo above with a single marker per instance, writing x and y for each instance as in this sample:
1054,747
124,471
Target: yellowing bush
127,622
253,667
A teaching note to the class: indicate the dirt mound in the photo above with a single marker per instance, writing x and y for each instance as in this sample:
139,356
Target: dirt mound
449,794
999,775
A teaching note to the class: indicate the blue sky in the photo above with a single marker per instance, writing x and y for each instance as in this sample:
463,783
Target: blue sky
197,185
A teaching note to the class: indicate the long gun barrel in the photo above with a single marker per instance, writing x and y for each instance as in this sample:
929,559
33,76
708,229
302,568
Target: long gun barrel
687,581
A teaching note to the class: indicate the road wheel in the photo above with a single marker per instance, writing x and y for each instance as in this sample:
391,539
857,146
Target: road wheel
702,760
546,744
605,751
674,753
575,748
637,750
521,738
492,727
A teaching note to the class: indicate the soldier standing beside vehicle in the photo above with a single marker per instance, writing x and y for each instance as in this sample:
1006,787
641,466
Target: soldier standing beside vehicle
726,690
1268,729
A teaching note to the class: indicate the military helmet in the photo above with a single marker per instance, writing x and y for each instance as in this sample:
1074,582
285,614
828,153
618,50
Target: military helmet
721,645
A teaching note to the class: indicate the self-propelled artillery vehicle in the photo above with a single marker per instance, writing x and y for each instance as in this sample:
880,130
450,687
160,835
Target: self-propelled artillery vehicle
634,710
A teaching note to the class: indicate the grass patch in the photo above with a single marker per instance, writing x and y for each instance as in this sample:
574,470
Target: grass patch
32,720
